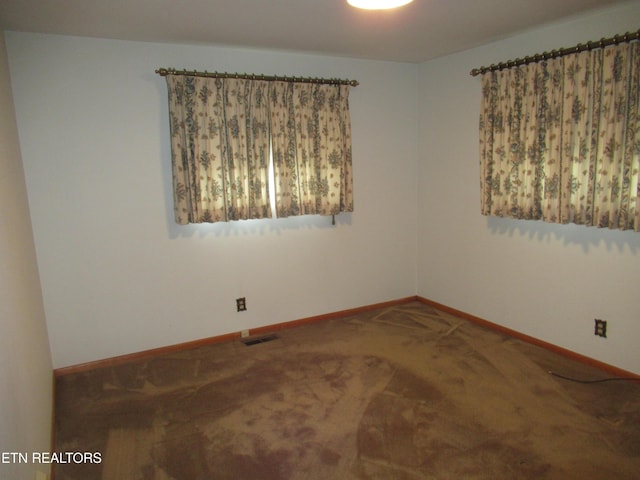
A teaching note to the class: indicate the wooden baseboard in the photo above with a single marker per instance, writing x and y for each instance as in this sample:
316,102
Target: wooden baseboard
155,352
143,355
146,354
618,372
327,316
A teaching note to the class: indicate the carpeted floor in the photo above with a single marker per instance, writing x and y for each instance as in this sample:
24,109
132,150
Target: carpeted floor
404,392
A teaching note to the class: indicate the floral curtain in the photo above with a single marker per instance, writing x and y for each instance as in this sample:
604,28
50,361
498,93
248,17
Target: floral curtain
219,147
221,129
560,139
311,143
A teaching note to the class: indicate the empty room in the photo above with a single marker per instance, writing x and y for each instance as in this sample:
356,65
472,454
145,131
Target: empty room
306,240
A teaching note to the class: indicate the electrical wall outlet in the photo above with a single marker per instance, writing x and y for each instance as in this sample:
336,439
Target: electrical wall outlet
600,328
244,333
241,304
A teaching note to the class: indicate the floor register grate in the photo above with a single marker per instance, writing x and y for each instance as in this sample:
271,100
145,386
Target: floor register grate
255,341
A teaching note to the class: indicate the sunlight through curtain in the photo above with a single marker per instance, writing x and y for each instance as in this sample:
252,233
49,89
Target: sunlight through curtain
222,130
311,141
560,139
220,148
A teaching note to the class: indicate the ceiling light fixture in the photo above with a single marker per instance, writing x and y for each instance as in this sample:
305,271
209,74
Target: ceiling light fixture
378,4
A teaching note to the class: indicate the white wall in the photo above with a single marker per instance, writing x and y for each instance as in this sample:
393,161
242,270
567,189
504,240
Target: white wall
118,276
26,378
547,281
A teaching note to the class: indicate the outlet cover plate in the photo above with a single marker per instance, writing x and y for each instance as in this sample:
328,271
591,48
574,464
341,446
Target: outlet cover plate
600,328
241,304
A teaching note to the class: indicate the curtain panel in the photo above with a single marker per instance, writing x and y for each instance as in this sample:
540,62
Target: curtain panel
223,130
219,148
560,139
311,142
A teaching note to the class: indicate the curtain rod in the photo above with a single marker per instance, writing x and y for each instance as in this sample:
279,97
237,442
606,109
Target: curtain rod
249,76
604,42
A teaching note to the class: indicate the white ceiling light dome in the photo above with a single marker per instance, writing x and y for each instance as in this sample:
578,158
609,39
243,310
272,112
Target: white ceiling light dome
378,4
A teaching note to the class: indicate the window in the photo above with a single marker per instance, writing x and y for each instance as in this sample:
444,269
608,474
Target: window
225,130
560,139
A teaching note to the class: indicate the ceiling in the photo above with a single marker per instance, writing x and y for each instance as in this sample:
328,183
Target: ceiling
420,31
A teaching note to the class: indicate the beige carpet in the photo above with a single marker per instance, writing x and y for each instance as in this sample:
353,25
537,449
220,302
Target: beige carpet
403,392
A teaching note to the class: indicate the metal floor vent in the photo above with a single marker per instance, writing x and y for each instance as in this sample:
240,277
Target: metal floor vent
254,341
